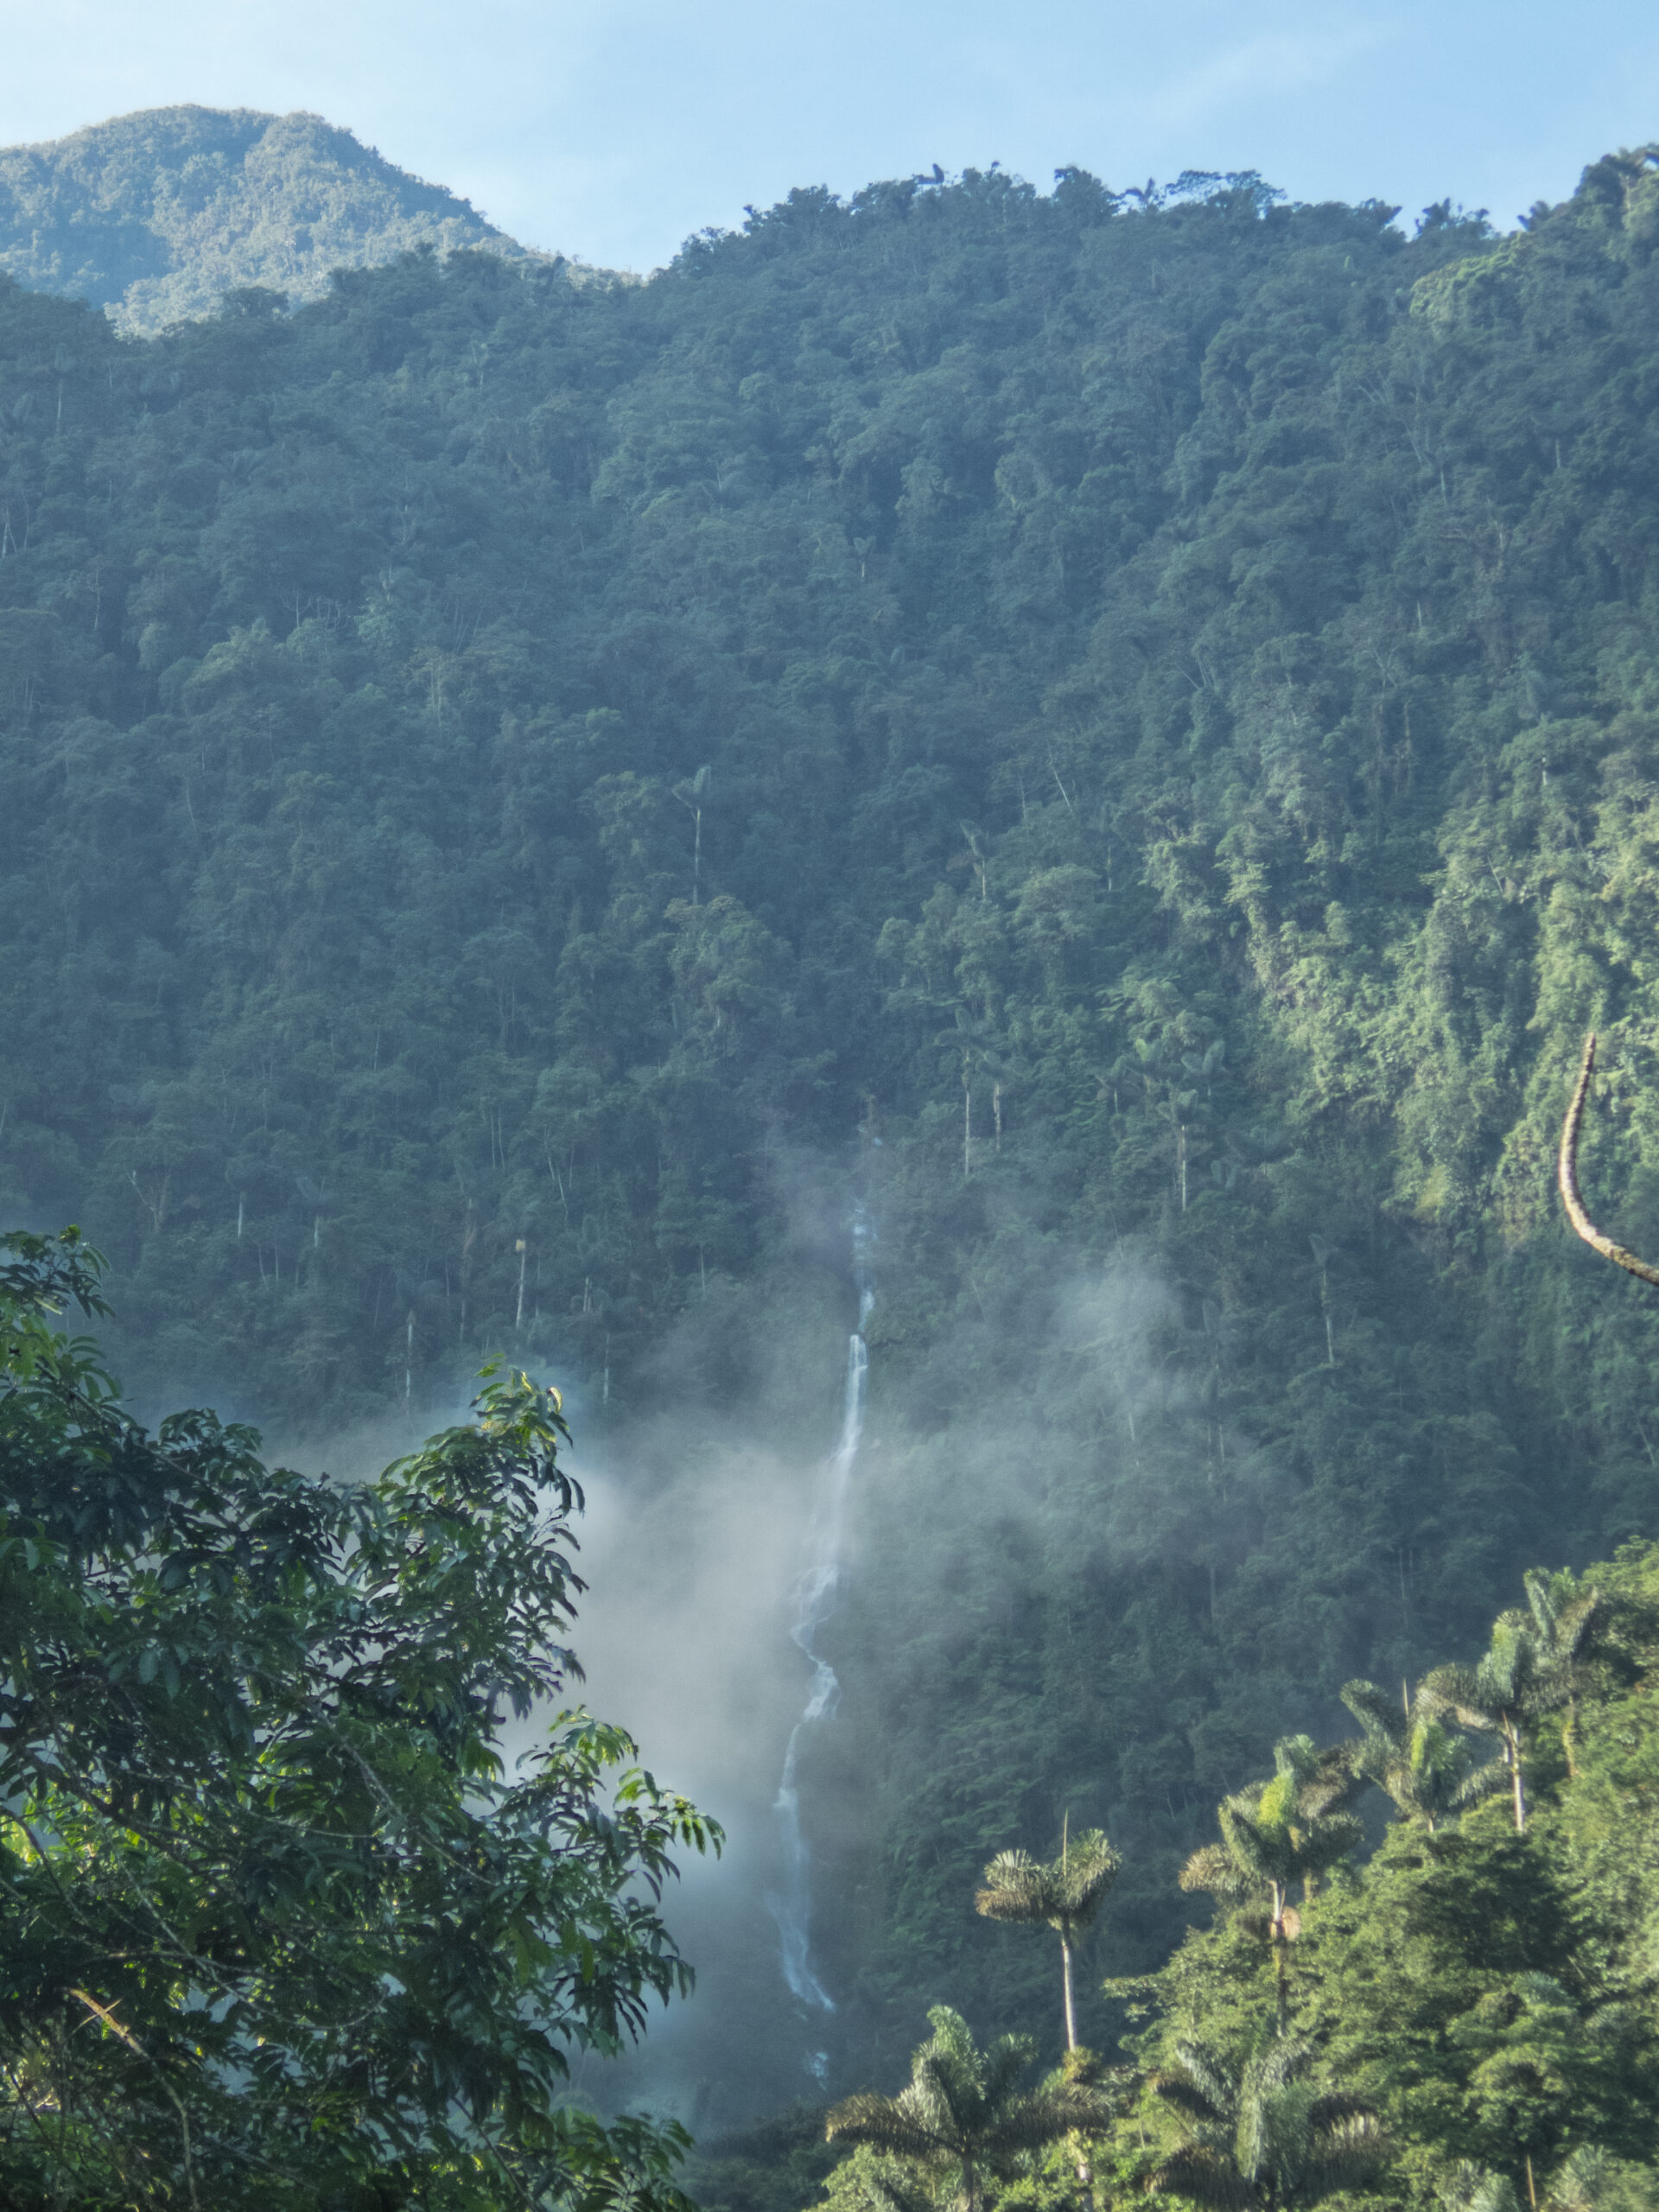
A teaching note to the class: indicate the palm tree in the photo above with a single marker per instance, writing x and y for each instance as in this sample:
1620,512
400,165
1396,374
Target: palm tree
1496,1696
1289,1830
1429,1771
1537,1663
1065,1895
1568,1625
964,2113
1264,2134
1588,2180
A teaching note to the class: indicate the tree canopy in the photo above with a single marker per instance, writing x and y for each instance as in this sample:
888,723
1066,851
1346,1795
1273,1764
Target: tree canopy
277,1924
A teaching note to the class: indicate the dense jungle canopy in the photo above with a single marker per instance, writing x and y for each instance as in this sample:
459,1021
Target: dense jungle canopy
1147,706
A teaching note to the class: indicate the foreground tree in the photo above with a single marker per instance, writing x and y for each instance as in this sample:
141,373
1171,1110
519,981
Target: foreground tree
276,1926
1065,1895
1264,2133
964,2119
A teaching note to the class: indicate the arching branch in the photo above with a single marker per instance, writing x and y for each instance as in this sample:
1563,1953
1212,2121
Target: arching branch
1569,1178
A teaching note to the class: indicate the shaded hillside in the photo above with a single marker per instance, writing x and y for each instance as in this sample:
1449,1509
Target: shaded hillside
1179,688
155,216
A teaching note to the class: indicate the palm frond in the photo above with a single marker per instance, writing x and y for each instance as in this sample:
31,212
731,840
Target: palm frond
1348,2155
1459,1691
1576,1629
1472,2188
1084,1876
1296,1756
1012,1874
1202,2175
1511,1663
1023,1902
1582,2182
887,2187
1212,1867
1334,2105
1327,1841
1260,1851
1027,2123
1535,1583
1210,2074
943,2095
1375,1710
1488,1781
882,2121
1276,2065
1004,2062
1337,1780
1177,2088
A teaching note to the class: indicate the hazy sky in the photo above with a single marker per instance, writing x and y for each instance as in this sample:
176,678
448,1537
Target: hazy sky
615,128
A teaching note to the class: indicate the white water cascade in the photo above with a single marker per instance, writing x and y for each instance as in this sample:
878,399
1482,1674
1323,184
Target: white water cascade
814,1600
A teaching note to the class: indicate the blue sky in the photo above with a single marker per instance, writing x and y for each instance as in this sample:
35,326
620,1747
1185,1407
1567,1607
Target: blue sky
615,128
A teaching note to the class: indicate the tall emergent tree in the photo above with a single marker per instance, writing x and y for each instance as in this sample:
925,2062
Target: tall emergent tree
1536,1664
1427,1770
1280,1833
1065,1895
277,1929
964,2116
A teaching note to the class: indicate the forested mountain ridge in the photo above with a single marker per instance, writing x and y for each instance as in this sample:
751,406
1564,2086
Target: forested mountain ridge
1179,687
157,215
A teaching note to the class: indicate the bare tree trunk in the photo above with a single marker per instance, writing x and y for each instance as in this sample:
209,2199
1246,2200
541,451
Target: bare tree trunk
1512,1751
1071,2015
1567,1174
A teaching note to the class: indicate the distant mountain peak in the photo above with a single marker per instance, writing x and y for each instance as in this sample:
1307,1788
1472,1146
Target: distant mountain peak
155,216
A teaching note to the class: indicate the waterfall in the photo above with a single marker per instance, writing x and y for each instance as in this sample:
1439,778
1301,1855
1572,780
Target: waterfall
814,1600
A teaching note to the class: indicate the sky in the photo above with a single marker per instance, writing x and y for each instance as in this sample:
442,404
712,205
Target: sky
615,129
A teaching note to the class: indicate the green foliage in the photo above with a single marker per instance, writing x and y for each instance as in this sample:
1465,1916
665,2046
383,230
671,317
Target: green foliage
1264,2133
1426,1769
1485,1994
1278,1833
964,2118
165,214
1065,1895
1178,691
775,2166
277,1925
1537,1663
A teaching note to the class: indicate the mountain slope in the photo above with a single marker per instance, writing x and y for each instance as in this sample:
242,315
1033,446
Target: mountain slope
157,215
1180,692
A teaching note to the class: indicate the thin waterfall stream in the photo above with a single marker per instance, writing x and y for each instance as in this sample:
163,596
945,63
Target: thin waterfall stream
814,1600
